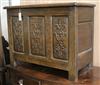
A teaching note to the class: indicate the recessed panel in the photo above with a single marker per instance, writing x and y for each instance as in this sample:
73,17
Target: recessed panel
84,36
85,14
37,35
60,37
17,28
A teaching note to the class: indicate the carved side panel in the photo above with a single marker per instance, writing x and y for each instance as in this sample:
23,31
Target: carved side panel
37,35
17,27
60,37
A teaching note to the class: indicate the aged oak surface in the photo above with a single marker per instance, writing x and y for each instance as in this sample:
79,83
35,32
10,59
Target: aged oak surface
53,35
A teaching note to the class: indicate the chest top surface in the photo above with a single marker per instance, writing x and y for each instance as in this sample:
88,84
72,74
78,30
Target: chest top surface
52,5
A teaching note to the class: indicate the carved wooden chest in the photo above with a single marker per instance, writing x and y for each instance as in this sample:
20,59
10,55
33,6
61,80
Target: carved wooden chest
53,35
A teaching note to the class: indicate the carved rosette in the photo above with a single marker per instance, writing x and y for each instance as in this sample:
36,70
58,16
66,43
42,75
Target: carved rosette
60,37
37,35
17,28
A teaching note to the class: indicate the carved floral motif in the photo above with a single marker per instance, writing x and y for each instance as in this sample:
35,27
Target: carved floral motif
60,37
17,28
37,35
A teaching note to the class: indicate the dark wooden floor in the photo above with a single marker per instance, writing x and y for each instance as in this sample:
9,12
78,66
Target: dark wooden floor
91,78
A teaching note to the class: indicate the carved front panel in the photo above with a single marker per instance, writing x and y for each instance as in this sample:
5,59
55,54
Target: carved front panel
37,35
60,37
17,28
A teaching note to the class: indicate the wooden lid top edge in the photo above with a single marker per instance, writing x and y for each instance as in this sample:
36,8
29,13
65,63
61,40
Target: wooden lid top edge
50,5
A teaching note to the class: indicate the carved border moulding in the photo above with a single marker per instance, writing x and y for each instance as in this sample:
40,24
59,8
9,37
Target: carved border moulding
17,27
37,35
60,37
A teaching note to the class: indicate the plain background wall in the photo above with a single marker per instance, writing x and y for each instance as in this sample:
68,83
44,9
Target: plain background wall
4,17
28,2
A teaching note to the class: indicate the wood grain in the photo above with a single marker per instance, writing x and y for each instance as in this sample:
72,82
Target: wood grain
34,77
57,36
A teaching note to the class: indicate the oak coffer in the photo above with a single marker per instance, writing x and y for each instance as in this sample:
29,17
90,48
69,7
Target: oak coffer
53,35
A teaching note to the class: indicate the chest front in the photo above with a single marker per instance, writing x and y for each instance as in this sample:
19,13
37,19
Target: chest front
54,36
